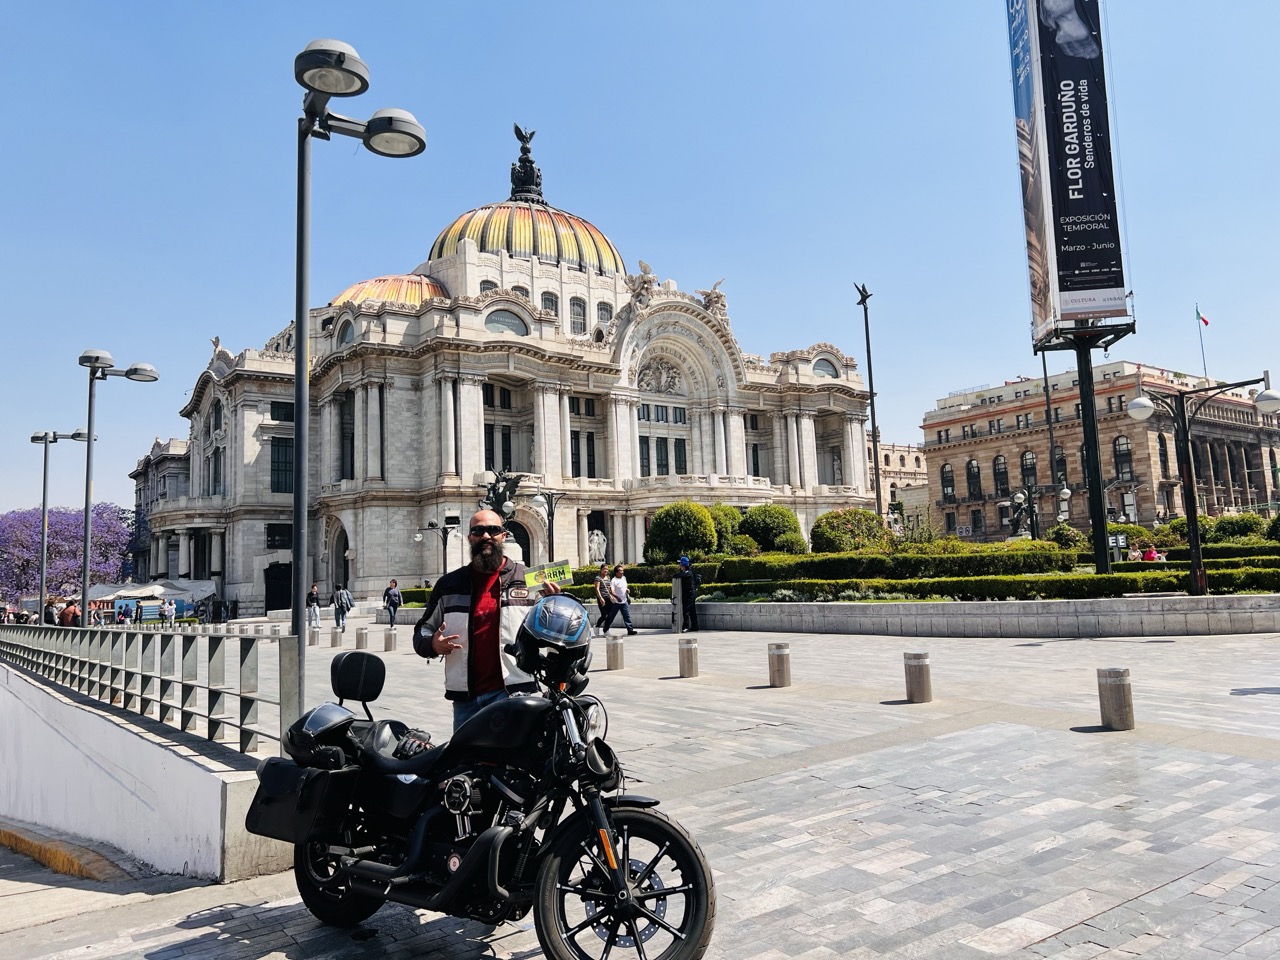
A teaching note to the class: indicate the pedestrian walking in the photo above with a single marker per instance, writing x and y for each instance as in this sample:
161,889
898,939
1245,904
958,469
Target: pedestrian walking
342,602
689,583
620,600
70,615
392,600
313,606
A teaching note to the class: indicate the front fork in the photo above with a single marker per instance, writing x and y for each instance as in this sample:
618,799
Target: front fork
614,863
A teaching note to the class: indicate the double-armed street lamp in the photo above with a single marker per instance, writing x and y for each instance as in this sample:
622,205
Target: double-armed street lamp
442,530
1175,405
1024,507
100,366
864,296
326,68
47,438
545,501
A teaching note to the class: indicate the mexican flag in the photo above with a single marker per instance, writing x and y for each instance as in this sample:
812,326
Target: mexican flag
1201,317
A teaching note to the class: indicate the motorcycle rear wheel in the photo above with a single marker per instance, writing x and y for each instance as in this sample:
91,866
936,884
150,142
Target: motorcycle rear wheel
329,898
576,912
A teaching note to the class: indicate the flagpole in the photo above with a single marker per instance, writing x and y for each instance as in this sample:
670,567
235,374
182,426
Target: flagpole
1200,330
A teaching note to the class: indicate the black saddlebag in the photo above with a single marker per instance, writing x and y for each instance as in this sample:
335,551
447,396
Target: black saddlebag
296,803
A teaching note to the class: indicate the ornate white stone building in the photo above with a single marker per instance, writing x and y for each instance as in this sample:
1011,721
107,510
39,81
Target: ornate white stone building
521,343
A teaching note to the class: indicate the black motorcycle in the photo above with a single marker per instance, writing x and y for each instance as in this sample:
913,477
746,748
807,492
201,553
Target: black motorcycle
520,810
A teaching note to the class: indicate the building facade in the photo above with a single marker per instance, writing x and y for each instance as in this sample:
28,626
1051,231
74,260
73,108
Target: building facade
986,444
521,344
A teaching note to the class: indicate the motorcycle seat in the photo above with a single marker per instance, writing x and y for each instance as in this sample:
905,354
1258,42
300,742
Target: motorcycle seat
378,746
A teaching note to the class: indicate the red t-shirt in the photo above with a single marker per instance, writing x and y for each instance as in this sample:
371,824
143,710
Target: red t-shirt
484,671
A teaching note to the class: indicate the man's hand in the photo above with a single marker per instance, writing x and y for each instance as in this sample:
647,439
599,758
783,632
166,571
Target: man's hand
548,588
441,645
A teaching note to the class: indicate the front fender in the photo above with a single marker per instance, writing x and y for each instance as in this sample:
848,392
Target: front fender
629,800
580,815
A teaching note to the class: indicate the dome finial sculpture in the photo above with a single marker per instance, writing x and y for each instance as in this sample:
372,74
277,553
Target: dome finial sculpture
526,178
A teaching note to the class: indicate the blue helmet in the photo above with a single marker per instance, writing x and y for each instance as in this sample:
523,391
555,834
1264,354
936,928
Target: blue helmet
555,636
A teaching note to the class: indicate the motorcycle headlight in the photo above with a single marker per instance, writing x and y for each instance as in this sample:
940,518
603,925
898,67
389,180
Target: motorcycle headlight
595,724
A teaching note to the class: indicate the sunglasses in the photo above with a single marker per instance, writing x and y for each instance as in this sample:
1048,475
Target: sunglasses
492,531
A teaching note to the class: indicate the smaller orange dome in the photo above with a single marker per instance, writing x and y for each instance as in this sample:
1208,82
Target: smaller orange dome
412,289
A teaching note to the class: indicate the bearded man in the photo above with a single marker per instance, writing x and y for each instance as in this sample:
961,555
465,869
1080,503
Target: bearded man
473,613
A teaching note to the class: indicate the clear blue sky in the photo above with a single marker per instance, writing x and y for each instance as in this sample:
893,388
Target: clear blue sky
793,149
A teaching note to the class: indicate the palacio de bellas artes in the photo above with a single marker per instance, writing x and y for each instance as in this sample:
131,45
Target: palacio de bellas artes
523,343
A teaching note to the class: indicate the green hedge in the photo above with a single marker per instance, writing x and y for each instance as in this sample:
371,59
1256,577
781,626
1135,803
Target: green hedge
1219,550
1220,563
900,566
415,595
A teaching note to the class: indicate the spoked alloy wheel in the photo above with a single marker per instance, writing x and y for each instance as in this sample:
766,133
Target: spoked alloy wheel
669,909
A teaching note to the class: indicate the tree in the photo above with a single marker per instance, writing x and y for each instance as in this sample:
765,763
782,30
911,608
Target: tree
766,522
20,549
1231,525
726,519
683,527
854,529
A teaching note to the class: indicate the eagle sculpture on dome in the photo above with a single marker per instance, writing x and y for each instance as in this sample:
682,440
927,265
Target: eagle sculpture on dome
524,136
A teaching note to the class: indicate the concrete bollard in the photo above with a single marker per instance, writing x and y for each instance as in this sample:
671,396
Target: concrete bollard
389,639
779,664
919,683
335,636
688,657
313,637
362,638
1115,698
613,653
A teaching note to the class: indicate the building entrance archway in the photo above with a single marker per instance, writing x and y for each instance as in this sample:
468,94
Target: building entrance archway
339,563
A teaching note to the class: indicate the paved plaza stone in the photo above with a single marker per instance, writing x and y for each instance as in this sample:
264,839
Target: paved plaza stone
842,822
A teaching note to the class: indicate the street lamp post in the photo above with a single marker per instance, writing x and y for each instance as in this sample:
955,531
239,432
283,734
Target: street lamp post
100,366
863,296
544,500
46,439
1174,404
443,531
326,68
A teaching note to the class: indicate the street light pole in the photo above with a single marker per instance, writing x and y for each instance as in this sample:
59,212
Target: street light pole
1174,404
326,68
864,295
100,366
443,532
543,500
47,438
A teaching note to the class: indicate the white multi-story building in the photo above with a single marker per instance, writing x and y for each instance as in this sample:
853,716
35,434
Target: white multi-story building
521,343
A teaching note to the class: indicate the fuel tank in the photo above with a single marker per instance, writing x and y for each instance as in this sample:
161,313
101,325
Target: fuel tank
503,732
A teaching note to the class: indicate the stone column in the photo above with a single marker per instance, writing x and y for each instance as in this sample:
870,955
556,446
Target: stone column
697,456
636,553
847,448
161,569
860,457
471,435
361,435
612,438
777,425
632,407
717,424
448,447
617,538
737,444
540,431
808,451
793,451
326,440
184,554
217,553
566,447
373,404
584,548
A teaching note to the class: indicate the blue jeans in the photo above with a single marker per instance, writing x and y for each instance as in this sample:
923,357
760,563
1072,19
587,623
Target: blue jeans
391,611
464,710
619,608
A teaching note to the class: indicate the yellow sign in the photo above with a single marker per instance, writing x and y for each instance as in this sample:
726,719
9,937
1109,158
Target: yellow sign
549,573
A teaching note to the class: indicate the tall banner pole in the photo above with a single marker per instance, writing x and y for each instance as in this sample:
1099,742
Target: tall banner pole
1200,330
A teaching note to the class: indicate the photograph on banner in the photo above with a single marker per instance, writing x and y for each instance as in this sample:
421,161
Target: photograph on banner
560,572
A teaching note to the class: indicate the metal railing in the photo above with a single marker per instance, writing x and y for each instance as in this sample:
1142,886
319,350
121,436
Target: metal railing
201,682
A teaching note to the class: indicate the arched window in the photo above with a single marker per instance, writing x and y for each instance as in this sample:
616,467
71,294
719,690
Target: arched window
902,461
551,303
973,479
917,463
521,292
1028,469
825,368
578,316
1123,454
504,321
1059,465
1000,473
1163,445
948,483
217,415
346,334
487,286
886,459
604,312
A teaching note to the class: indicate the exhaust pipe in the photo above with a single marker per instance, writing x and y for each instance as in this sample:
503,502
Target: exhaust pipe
378,879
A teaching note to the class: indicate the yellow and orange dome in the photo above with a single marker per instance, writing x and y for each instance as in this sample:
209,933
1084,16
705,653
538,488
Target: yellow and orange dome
531,229
411,288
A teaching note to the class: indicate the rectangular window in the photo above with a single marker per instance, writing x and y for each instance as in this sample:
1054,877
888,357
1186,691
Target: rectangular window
281,411
976,521
950,522
755,421
991,426
1022,421
1057,414
282,464
575,453
682,462
486,391
660,455
575,406
661,414
679,415
1003,510
279,536
504,398
642,412
755,459
1111,404
588,407
591,454
506,448
964,433
1077,411
488,446
644,456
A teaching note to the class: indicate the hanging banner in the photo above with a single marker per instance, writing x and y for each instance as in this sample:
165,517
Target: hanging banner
1064,142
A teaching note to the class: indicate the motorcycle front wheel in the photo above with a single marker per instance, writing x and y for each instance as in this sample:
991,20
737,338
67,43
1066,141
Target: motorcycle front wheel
327,895
668,915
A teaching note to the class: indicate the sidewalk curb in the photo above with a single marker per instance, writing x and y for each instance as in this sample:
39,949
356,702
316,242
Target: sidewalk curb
59,854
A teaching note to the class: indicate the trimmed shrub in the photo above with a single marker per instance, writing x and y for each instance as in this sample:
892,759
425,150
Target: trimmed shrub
726,519
1066,536
840,531
1205,525
1231,525
416,595
792,543
740,545
679,528
766,522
